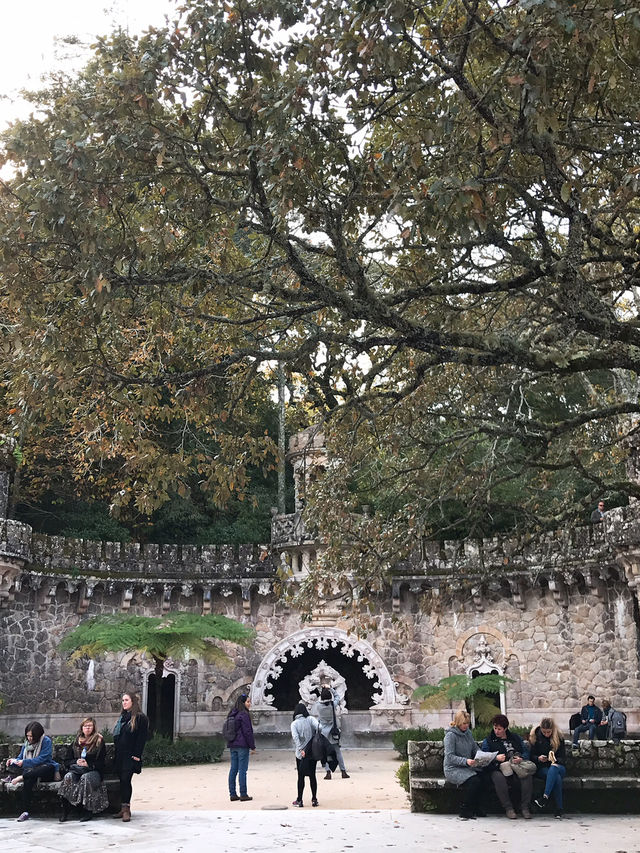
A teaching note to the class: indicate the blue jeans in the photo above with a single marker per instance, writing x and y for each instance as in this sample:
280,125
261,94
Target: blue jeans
239,766
553,785
584,727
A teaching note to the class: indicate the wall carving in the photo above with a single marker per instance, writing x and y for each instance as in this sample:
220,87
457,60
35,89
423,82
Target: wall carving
271,666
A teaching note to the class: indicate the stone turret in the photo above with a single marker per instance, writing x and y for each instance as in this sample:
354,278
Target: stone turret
308,457
14,537
7,465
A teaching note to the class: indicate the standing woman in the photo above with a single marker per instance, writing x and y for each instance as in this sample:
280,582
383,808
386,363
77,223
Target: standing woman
459,765
82,785
239,747
34,762
130,734
548,752
303,728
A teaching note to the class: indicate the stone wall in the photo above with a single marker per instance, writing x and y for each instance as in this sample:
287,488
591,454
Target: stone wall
557,613
555,653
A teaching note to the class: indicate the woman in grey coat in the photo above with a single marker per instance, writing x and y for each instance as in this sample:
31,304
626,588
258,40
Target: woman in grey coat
325,710
459,765
303,728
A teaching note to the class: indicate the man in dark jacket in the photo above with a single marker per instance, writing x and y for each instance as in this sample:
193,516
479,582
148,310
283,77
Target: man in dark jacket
591,717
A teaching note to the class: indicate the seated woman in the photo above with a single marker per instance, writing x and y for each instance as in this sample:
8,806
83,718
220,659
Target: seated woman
82,785
548,752
460,766
35,762
511,749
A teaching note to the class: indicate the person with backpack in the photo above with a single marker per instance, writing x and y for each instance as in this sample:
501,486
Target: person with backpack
303,728
238,732
613,725
325,712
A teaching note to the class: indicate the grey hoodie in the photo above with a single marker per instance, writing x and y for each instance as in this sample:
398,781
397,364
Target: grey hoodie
458,746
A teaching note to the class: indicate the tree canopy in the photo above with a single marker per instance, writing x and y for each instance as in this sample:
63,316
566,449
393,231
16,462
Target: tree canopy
428,211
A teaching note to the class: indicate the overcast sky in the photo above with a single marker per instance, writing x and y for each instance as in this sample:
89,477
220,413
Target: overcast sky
30,27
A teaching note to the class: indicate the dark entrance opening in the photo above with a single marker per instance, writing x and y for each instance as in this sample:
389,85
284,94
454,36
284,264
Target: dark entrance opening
164,726
494,698
360,689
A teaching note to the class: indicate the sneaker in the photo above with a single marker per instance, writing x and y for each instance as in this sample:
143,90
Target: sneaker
558,814
345,775
244,798
297,803
234,797
314,802
511,814
575,746
24,816
541,803
467,817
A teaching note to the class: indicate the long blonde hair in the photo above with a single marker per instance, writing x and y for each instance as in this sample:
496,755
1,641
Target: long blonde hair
547,723
461,717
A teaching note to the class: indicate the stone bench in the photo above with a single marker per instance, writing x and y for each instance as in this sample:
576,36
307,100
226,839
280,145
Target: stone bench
45,798
603,777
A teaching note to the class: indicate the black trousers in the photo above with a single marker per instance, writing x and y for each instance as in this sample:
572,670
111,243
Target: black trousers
306,767
45,772
472,792
126,775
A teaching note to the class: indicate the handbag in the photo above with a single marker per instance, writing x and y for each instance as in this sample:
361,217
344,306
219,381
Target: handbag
524,768
317,751
78,769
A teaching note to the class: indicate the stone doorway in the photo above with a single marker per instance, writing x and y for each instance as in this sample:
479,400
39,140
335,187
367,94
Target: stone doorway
369,686
165,725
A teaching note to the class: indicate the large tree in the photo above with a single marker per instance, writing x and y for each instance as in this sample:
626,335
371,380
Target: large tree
428,211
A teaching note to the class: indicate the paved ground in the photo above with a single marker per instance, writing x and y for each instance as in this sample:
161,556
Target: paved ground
315,831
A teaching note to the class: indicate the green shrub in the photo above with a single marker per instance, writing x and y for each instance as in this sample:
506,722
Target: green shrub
164,752
107,734
402,775
403,736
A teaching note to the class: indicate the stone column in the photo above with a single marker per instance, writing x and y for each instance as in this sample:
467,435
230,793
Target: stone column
7,465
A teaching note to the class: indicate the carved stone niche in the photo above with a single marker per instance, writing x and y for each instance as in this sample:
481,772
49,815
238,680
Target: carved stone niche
323,676
9,581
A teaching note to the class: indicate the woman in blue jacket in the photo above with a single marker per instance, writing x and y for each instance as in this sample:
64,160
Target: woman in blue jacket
239,747
34,762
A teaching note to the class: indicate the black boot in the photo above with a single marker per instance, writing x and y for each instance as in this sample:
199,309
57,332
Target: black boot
85,815
64,816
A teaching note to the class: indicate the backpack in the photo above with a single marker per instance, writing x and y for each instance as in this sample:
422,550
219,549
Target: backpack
229,729
574,721
618,723
316,749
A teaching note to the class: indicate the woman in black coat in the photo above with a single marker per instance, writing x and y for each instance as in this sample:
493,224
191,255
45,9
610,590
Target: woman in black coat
82,785
130,734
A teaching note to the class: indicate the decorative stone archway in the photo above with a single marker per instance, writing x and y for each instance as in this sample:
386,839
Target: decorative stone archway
385,698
